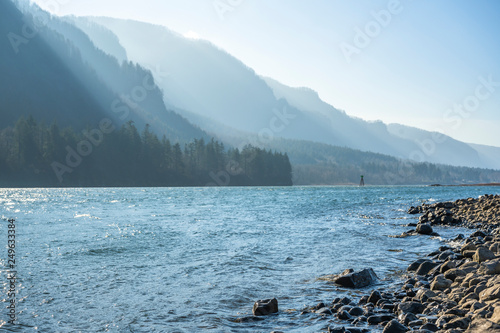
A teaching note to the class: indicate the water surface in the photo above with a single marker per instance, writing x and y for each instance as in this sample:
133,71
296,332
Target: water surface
195,259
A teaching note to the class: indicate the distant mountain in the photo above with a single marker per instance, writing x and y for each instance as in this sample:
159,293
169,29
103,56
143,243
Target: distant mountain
44,76
209,82
57,74
219,92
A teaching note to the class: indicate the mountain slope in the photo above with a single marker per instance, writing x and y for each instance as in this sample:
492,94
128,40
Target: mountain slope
35,81
220,89
60,75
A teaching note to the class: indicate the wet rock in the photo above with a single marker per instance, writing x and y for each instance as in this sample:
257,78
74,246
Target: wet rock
424,294
318,306
429,327
377,319
446,254
356,311
336,329
483,254
426,267
344,315
248,319
406,318
478,233
375,296
410,307
424,229
324,311
415,265
265,307
414,210
395,326
359,279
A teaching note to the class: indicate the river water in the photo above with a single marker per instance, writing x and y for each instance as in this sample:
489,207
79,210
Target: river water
196,259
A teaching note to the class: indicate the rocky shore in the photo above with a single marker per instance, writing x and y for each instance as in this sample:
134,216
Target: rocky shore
454,289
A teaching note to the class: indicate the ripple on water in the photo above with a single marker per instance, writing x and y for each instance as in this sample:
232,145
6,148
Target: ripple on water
178,260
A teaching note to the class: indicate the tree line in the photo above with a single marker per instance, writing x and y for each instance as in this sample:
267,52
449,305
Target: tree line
38,155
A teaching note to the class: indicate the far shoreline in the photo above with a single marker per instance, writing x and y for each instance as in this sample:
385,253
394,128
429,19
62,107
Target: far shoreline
469,185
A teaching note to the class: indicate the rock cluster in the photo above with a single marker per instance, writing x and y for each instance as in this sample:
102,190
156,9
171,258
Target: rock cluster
481,213
454,289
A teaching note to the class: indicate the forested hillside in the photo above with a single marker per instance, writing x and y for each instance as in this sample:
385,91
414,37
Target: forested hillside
34,154
57,73
322,164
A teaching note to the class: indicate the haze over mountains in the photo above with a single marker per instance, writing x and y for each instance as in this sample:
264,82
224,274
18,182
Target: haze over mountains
58,74
78,70
207,81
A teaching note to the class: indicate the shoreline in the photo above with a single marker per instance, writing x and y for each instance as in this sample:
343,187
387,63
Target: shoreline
471,185
451,290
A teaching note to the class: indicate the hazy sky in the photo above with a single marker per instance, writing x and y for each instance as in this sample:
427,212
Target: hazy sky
430,64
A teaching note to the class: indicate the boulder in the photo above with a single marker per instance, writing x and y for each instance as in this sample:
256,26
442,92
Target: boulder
490,267
410,307
483,254
265,307
481,325
424,294
440,283
359,279
462,323
416,264
453,273
395,326
426,267
344,315
377,319
424,229
496,315
490,293
356,311
374,297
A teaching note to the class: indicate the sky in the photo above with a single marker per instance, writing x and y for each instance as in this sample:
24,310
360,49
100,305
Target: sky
428,64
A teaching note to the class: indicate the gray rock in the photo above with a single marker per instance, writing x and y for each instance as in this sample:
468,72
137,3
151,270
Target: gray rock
490,267
410,307
406,318
395,326
377,319
481,325
483,254
344,315
490,293
447,266
426,267
424,294
325,311
462,323
375,296
359,279
429,327
356,311
265,307
416,264
453,273
424,229
440,283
